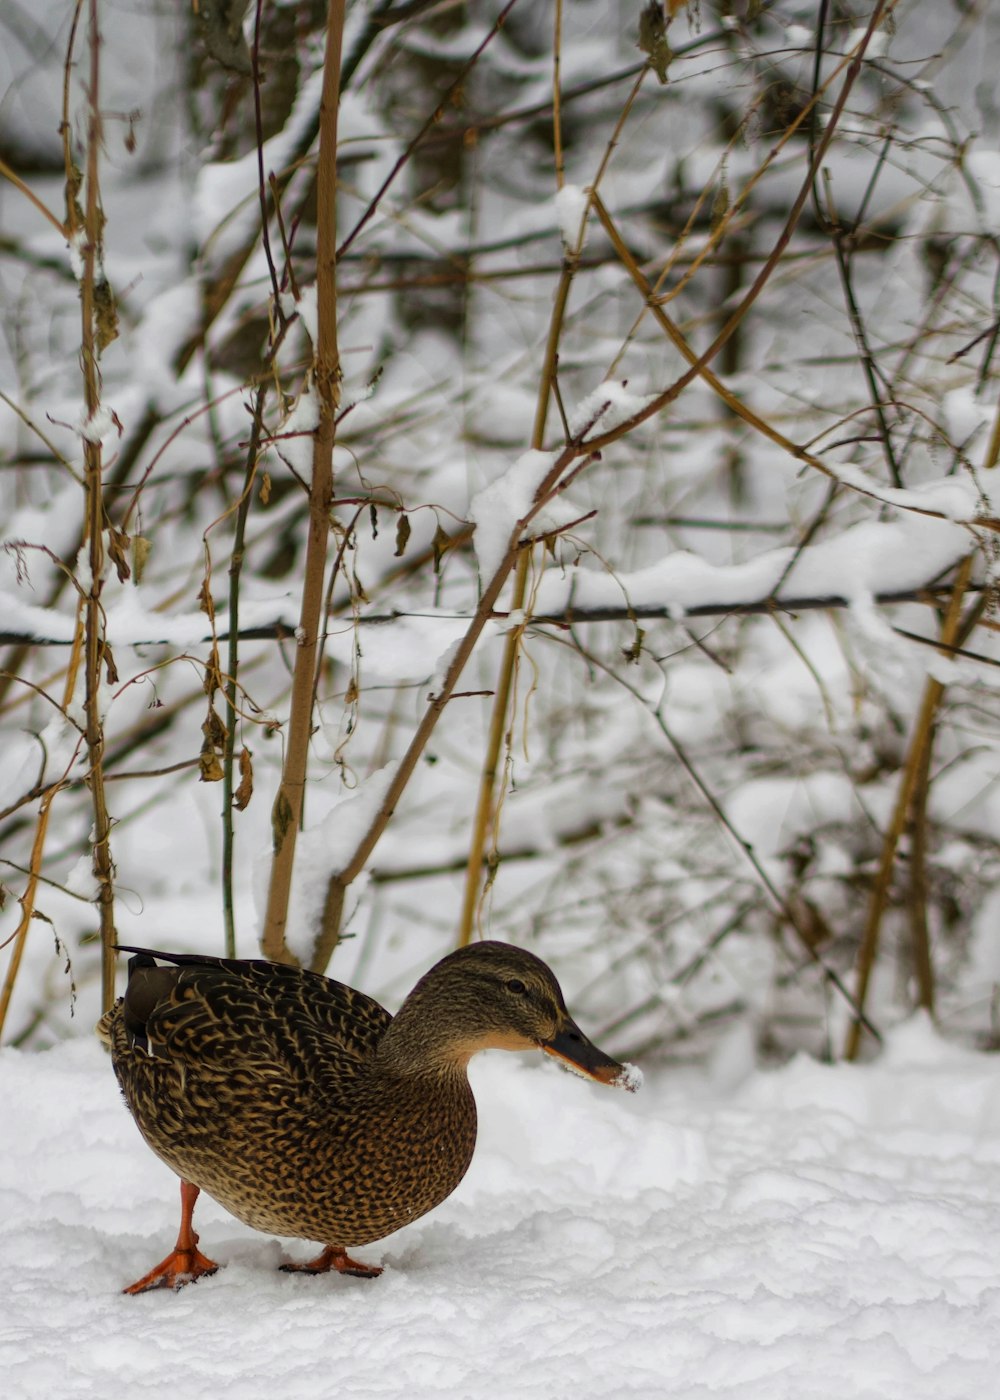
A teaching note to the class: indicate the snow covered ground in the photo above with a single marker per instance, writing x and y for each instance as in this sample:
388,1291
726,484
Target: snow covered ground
812,1233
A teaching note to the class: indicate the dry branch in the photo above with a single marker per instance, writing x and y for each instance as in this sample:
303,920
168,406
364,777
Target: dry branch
286,818
919,748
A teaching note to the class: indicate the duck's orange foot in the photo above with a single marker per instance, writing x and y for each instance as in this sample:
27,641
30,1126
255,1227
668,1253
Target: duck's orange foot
181,1267
334,1257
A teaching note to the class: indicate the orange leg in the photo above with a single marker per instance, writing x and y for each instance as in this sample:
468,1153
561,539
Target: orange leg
334,1256
186,1263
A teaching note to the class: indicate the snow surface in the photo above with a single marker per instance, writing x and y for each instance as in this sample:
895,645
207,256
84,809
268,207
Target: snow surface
814,1232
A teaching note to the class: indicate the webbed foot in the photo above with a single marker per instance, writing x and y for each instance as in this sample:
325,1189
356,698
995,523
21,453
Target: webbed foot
180,1267
333,1257
185,1263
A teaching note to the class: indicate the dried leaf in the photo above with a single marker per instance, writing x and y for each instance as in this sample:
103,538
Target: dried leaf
653,38
118,549
440,544
352,693
212,680
633,653
111,670
205,599
210,769
140,553
105,314
402,535
214,730
265,488
243,794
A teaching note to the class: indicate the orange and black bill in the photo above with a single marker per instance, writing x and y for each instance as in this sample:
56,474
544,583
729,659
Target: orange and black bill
576,1052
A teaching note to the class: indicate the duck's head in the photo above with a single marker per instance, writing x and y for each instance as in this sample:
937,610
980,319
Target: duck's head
494,996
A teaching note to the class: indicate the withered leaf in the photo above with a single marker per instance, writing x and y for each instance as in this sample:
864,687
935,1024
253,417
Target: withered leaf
118,549
105,314
210,769
244,791
633,652
212,679
402,535
141,547
653,38
440,544
205,599
214,730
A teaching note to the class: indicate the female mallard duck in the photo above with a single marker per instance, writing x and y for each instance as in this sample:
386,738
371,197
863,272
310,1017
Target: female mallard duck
304,1107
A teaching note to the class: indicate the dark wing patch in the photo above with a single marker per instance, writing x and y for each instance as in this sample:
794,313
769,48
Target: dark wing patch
259,1015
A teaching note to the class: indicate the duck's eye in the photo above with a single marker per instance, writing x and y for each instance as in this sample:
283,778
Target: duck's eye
514,984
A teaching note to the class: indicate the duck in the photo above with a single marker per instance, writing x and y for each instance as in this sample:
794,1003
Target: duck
304,1108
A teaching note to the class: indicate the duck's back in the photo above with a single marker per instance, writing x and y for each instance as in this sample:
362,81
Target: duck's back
202,1009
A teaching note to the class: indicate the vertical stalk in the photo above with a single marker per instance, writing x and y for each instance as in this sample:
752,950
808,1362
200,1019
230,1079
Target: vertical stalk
286,817
232,668
923,966
94,644
484,818
920,745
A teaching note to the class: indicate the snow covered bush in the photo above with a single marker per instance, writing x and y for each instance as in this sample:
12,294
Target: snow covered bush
654,594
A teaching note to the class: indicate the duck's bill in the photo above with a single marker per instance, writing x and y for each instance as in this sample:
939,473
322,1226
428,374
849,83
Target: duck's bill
576,1052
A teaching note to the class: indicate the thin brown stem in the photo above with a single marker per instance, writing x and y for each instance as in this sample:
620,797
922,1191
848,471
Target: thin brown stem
483,820
920,743
923,963
341,880
94,642
236,560
287,812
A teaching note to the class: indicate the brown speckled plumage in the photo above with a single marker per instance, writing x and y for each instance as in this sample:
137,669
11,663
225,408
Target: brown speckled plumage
301,1105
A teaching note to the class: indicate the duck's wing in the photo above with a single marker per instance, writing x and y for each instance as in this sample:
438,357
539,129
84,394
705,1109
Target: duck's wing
255,1014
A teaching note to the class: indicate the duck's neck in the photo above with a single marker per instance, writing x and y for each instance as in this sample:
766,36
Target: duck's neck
420,1045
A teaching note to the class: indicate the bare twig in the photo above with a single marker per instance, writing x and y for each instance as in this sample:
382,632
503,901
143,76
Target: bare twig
286,818
88,235
341,880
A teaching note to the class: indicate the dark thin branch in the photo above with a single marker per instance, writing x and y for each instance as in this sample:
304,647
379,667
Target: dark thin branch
932,594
